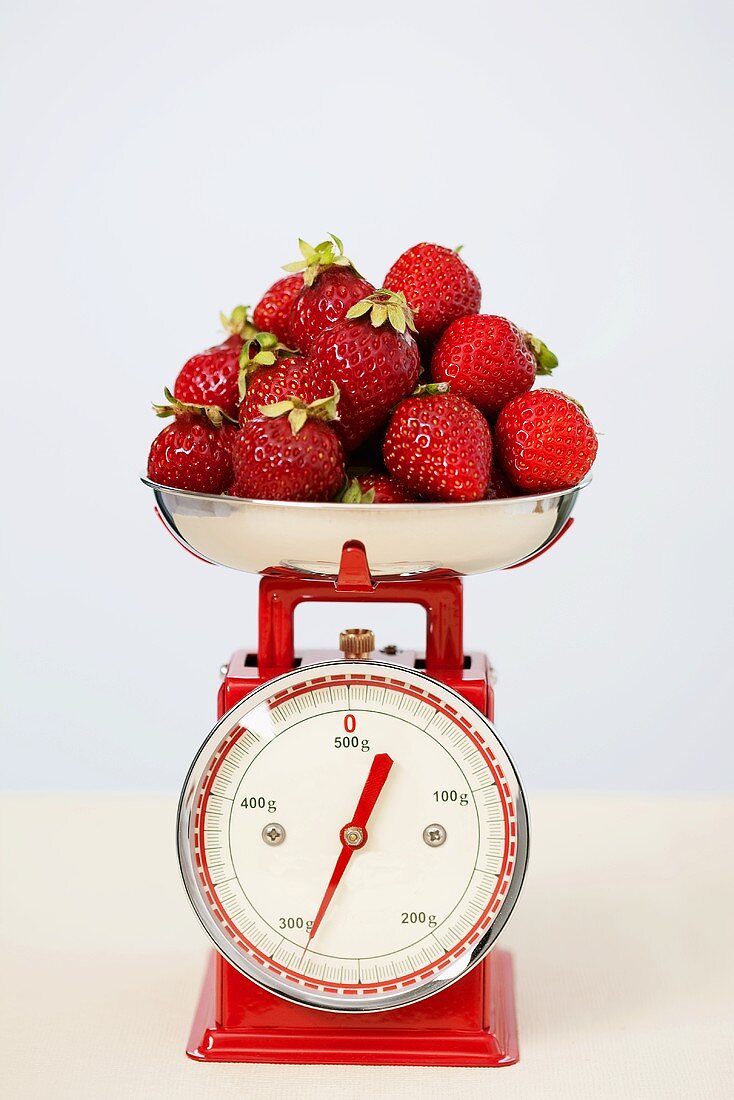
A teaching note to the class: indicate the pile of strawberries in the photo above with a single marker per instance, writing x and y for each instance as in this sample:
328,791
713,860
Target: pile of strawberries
337,391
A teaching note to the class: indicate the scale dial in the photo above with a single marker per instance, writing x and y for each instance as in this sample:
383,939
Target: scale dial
353,836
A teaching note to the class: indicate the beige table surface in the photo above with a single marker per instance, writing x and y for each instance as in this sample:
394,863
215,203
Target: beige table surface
622,941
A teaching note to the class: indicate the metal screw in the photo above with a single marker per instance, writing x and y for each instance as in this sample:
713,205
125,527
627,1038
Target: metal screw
273,834
390,650
434,835
353,836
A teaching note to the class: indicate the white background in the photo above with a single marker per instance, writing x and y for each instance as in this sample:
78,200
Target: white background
160,162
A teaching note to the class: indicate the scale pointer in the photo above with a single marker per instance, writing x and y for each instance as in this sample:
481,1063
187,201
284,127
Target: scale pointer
354,835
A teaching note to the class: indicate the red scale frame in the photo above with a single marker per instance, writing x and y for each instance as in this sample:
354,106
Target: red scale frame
472,1022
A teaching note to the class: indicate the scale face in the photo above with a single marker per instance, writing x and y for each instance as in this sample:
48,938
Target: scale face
353,836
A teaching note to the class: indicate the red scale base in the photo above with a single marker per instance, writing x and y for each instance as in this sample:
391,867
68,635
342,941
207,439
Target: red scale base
472,1023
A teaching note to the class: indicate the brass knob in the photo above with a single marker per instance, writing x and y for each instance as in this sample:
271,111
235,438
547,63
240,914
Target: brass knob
356,644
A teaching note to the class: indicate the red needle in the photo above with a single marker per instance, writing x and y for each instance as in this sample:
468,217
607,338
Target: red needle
354,835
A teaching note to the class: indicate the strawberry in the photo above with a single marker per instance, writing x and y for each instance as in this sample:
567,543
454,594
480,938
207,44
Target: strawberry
376,489
439,446
272,312
330,286
489,360
269,373
438,286
372,358
194,452
290,452
545,441
499,486
210,378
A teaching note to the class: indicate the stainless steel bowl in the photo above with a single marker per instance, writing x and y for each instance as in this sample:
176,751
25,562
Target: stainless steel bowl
400,539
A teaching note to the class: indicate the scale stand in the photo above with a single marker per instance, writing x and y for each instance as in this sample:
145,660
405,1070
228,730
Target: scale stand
472,1023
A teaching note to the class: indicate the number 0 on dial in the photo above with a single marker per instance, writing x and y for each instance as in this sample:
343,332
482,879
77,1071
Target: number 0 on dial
353,836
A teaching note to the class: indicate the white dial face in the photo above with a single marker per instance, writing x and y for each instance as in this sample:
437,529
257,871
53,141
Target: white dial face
353,836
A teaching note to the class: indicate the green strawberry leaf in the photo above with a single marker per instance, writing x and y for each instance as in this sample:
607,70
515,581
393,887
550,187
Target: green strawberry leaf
297,418
315,259
310,254
397,317
174,407
546,361
353,494
359,309
299,412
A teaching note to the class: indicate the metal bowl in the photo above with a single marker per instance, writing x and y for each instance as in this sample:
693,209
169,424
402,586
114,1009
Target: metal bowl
400,539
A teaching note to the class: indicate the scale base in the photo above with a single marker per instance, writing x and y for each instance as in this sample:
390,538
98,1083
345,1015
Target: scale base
425,1034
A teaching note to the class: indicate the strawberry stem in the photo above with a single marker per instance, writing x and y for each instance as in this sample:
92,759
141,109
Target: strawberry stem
269,352
431,389
174,407
546,362
316,258
238,323
353,494
298,412
384,305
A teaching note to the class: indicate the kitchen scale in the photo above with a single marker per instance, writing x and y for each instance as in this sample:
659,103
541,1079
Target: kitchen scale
352,834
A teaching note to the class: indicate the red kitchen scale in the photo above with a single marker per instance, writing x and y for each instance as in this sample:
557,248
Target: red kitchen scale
352,834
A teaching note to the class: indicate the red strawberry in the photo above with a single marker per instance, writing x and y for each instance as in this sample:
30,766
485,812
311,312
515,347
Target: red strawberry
290,453
194,452
272,312
330,286
545,441
269,373
438,286
499,486
440,447
210,378
376,489
489,360
372,358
